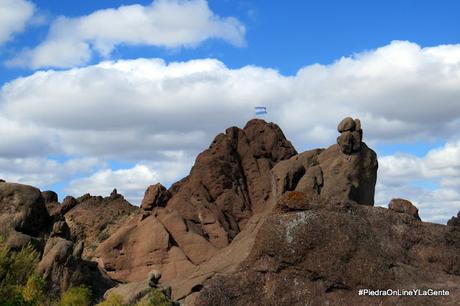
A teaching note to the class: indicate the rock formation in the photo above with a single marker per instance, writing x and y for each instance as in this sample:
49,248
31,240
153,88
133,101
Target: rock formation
454,221
323,253
84,226
254,223
23,215
404,206
62,266
336,173
155,196
203,212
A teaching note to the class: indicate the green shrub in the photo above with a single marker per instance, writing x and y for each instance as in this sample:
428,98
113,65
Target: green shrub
76,296
34,290
16,273
155,298
112,300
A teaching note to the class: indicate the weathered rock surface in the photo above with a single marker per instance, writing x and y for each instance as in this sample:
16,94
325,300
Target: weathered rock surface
325,253
330,173
92,219
404,206
202,213
155,196
62,267
230,180
23,215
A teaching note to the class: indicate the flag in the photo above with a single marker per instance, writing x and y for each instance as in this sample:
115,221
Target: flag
260,110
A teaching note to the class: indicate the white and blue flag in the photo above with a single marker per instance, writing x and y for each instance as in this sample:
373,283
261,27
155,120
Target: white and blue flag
260,110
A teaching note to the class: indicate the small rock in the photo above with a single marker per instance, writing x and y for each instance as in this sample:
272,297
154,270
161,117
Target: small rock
404,206
347,124
49,196
154,277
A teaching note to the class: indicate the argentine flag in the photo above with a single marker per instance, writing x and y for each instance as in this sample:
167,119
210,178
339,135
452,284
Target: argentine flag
260,110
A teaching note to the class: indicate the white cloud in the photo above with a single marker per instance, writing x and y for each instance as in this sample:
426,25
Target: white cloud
163,23
44,172
431,182
14,15
135,110
132,181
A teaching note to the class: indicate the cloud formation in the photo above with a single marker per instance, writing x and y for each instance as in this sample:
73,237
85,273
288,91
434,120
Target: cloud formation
14,15
164,23
404,175
148,112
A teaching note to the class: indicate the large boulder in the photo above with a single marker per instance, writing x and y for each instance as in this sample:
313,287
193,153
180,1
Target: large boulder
324,253
155,196
333,174
23,215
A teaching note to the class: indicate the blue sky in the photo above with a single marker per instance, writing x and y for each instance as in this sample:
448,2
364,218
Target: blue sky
289,56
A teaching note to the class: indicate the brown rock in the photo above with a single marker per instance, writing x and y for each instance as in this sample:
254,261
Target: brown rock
111,212
23,214
230,180
404,206
68,203
347,124
49,196
454,221
349,177
155,196
62,268
325,254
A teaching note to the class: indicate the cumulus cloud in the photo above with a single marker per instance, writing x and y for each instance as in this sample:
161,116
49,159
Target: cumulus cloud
132,181
163,23
14,15
44,172
135,110
431,182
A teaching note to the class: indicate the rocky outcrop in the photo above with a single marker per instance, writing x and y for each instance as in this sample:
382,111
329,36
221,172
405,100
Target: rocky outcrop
405,207
190,222
62,267
454,221
336,173
155,196
351,135
92,219
230,180
23,215
324,253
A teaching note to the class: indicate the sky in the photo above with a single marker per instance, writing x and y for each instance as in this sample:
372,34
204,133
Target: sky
96,95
